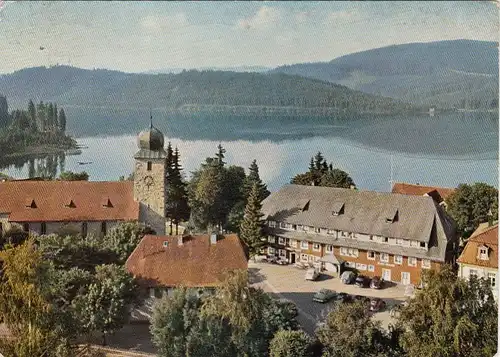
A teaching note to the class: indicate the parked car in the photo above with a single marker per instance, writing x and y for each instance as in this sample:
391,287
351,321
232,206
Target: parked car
282,261
362,281
376,282
324,295
377,304
272,259
312,274
348,277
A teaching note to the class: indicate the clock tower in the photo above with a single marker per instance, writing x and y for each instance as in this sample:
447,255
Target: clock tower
149,178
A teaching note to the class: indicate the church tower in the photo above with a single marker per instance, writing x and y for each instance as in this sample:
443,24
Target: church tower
149,178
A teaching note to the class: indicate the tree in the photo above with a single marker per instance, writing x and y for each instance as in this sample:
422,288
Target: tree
251,227
74,176
4,112
105,306
449,317
177,208
24,305
32,115
286,343
469,205
62,120
336,178
254,177
349,331
124,237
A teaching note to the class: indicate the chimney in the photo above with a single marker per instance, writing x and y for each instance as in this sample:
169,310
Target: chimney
213,238
180,240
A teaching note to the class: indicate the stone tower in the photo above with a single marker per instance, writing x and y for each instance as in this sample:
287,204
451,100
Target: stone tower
149,178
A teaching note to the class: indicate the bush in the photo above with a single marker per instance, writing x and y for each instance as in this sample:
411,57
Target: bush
288,343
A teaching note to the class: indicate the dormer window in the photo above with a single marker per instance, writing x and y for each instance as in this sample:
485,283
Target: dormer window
150,166
483,253
107,203
306,206
392,216
338,209
165,244
71,204
31,204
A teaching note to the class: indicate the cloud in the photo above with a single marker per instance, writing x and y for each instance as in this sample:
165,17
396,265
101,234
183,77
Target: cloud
343,16
266,16
155,23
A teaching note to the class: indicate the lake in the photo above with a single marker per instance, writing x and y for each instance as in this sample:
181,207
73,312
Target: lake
443,150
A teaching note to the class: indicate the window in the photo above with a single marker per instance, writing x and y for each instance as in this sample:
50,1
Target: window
412,262
344,234
370,255
272,224
398,259
316,247
294,227
282,225
304,245
84,229
300,227
426,263
271,251
385,240
26,227
350,264
304,257
360,266
370,238
492,277
384,257
399,241
483,253
282,253
414,243
473,272
329,248
317,230
104,228
343,251
330,231
423,245
371,268
150,165
293,243
43,228
271,239
305,228
281,241
352,252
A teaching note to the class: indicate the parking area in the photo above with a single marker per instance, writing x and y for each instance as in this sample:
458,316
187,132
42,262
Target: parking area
288,282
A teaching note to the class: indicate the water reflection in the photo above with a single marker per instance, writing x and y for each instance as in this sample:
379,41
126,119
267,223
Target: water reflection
34,165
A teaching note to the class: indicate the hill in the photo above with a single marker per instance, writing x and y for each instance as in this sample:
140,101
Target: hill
449,74
70,86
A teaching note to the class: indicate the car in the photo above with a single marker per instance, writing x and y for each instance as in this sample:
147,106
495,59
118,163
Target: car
377,304
362,281
348,277
324,295
282,261
312,274
376,282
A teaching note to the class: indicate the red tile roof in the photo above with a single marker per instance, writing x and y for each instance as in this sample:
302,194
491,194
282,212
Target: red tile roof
195,263
53,200
481,237
420,190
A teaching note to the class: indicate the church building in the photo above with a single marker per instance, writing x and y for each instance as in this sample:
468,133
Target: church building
91,207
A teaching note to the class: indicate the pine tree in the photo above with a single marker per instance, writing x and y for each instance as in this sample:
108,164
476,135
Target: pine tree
318,161
251,227
220,155
62,121
54,118
180,193
170,205
311,165
254,178
50,117
41,117
32,116
4,112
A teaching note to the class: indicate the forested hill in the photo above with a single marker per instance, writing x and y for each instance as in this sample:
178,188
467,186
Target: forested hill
74,86
460,73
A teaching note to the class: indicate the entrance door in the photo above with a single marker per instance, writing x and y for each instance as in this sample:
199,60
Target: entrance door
405,278
386,274
292,258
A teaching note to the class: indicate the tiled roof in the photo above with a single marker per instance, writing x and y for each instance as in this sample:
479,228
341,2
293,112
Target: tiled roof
195,263
51,201
420,190
481,237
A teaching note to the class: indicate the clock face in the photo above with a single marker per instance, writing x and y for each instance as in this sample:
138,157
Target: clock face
148,180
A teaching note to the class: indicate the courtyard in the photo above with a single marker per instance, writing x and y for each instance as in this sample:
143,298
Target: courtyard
287,282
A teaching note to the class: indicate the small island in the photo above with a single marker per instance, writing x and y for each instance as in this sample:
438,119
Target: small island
40,129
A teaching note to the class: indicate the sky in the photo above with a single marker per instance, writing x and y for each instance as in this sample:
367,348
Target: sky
144,36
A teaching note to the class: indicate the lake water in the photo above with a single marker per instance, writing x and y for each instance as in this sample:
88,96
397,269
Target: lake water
443,150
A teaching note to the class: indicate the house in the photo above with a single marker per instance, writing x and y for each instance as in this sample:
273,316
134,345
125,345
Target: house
439,194
379,234
46,207
480,256
162,263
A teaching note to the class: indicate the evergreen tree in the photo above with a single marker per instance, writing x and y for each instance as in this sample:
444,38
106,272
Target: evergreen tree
177,197
62,121
311,165
254,178
41,116
318,161
55,122
50,117
220,155
170,202
32,116
251,227
4,112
